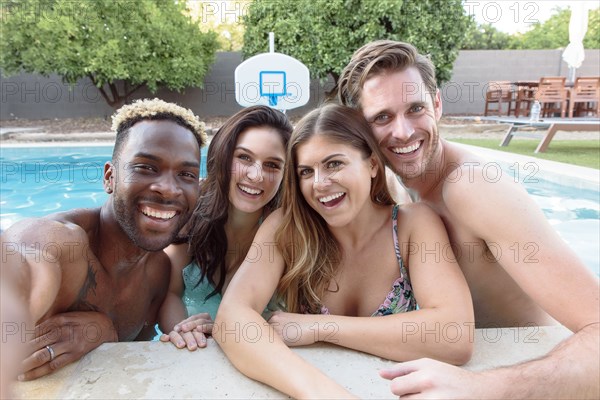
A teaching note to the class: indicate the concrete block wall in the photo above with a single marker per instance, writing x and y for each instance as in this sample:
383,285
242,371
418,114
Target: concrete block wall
31,96
473,69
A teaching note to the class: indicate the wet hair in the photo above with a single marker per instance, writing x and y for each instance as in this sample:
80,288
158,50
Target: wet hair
309,249
208,240
154,110
380,57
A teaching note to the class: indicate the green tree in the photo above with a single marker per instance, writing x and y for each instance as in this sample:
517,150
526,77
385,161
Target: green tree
485,37
223,18
554,33
323,34
119,45
592,36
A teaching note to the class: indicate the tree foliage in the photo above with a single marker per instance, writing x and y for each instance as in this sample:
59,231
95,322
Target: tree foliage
485,37
554,33
223,18
141,42
323,34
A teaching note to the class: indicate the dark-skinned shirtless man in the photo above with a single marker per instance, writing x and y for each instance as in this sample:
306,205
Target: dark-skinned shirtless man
101,272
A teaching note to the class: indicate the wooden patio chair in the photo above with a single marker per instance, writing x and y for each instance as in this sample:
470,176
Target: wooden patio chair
525,96
584,97
552,95
498,92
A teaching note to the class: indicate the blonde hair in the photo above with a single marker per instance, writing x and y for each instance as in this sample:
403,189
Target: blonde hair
155,110
309,249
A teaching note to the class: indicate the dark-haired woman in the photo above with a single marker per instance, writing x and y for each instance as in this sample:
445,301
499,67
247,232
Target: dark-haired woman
244,171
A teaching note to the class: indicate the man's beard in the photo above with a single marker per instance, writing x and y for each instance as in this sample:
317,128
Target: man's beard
126,220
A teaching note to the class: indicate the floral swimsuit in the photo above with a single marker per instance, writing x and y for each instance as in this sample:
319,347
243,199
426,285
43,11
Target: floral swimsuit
400,299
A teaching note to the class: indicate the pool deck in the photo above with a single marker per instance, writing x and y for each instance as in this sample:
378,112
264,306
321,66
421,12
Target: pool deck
155,370
531,167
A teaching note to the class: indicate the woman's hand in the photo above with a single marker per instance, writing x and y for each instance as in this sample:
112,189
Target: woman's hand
191,332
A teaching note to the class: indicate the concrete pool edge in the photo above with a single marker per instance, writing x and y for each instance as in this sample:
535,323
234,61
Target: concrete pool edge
155,370
552,171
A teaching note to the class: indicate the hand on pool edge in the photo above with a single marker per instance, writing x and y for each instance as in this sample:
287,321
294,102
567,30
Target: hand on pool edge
430,379
70,337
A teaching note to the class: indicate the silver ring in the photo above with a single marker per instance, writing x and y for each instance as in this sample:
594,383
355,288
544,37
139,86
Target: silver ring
51,351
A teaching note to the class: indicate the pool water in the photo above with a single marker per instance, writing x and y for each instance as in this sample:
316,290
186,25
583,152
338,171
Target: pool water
36,181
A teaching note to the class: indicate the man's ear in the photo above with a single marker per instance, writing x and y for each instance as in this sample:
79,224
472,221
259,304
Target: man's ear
109,177
437,105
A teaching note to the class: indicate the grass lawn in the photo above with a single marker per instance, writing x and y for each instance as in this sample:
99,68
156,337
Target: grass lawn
585,153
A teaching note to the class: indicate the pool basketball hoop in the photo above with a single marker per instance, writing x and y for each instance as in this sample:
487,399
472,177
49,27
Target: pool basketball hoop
272,79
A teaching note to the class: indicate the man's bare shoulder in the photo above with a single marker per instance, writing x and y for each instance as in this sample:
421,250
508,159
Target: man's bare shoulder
417,212
475,183
64,226
469,179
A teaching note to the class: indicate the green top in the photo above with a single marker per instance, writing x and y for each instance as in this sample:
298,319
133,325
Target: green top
194,295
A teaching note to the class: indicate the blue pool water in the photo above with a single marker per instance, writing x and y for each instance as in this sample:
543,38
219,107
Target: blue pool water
36,181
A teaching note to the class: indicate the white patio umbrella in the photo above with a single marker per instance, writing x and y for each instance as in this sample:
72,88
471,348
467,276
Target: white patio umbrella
574,54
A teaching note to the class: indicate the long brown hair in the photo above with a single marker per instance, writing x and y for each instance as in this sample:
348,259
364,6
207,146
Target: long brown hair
208,240
310,251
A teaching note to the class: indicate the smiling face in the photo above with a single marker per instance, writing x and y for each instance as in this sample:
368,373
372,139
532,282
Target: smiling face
334,178
154,182
256,169
404,118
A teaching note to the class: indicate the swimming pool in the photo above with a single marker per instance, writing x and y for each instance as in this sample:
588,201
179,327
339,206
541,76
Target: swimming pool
35,181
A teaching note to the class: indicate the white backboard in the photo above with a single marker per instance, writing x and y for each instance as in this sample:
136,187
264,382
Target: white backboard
272,79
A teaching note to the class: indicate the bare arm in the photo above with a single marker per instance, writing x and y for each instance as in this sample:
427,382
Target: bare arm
13,314
555,278
46,254
528,248
567,372
246,297
173,311
49,258
443,326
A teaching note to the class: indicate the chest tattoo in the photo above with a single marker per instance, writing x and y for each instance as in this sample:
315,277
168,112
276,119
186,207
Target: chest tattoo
89,286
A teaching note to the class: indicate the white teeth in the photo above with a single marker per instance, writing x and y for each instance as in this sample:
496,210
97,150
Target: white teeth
249,190
409,149
331,197
158,214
